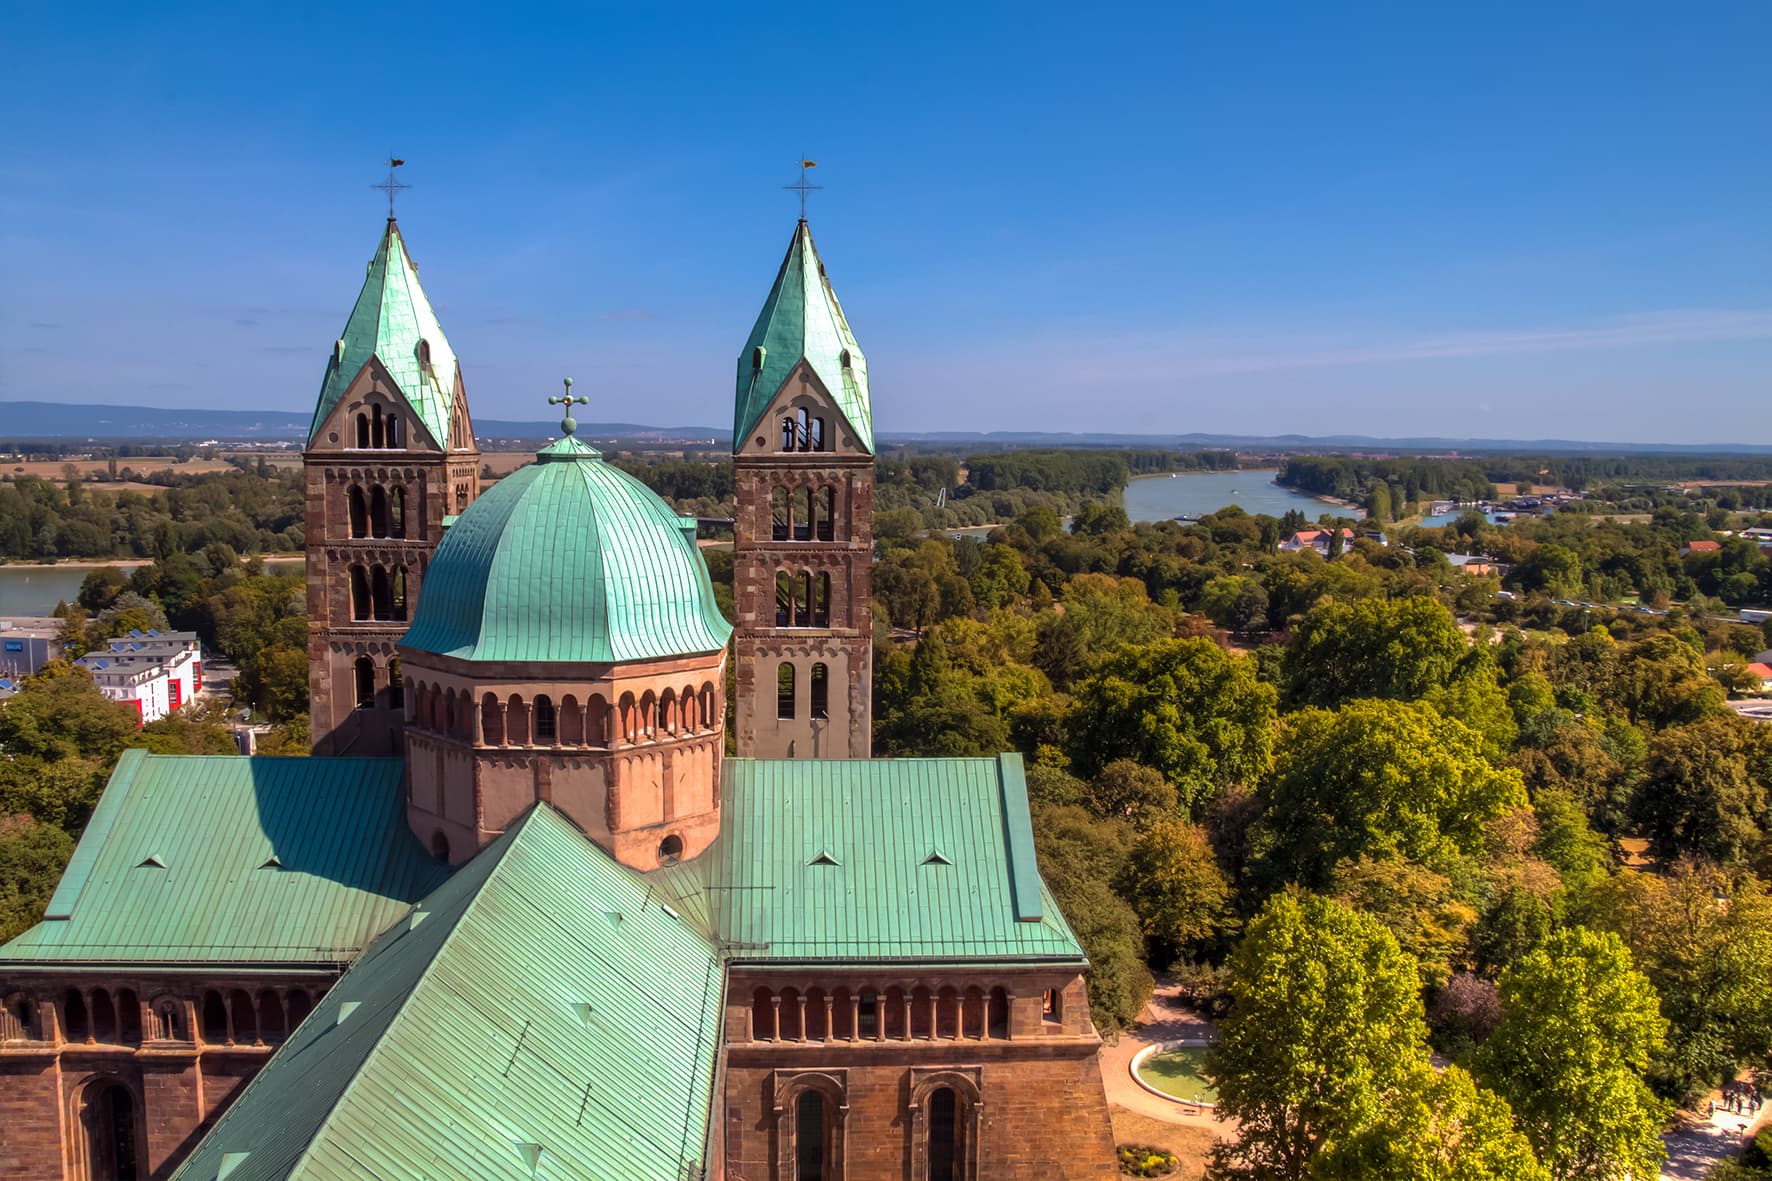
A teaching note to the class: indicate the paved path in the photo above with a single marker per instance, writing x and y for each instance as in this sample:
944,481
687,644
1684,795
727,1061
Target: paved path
1165,1019
1700,1143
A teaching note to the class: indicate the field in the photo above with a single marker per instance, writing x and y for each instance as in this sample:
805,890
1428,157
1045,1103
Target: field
56,469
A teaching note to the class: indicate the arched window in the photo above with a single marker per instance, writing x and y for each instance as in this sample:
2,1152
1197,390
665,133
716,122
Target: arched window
169,1019
271,1027
397,512
762,1016
947,1013
818,439
784,599
997,1013
357,511
363,430
793,1010
104,1016
821,601
378,511
667,712
440,846
1052,1007
787,433
393,432
803,599
359,593
922,1013
894,1016
827,513
803,514
215,1018
572,721
820,697
492,721
19,1022
630,727
299,1005
596,721
867,1015
818,1028
245,1021
779,514
784,691
516,722
381,593
446,723
365,683
809,1137
687,721
648,714
944,1135
670,850
710,716
546,724
802,431
400,593
396,686
113,1143
129,1017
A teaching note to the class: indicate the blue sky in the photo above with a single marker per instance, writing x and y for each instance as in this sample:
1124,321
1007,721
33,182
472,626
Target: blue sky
1512,220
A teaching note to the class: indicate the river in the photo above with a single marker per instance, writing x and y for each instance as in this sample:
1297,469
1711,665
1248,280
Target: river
1193,494
35,590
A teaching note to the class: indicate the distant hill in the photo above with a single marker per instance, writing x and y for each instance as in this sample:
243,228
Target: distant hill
54,420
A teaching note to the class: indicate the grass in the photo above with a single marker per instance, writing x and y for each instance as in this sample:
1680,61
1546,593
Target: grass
1177,1073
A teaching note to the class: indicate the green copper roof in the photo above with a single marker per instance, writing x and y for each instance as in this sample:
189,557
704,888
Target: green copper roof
391,317
539,1016
874,859
568,559
223,859
802,320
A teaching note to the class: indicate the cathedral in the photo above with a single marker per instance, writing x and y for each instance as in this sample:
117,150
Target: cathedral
522,915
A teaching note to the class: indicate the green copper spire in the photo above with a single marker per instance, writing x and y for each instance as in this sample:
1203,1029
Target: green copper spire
802,321
394,324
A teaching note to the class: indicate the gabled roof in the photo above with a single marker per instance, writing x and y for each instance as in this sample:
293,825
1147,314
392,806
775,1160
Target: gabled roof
568,559
389,320
874,860
802,321
537,1016
349,864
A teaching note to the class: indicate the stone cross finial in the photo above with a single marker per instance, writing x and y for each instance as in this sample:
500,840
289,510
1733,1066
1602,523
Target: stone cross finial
568,424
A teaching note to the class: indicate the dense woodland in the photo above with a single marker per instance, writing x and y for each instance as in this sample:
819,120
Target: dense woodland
1364,808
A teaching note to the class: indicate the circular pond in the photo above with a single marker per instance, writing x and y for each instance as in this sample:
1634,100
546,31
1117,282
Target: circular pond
1178,1072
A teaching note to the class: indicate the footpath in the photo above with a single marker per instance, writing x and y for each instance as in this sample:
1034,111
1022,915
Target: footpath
1699,1143
1165,1019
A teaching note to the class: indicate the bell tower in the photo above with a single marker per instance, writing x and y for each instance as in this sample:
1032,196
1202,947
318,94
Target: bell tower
390,461
803,470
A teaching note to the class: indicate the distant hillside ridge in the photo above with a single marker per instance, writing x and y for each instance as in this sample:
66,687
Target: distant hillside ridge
24,421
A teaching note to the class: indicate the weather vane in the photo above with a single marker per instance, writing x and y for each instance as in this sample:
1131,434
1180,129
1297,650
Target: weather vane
803,188
568,424
391,186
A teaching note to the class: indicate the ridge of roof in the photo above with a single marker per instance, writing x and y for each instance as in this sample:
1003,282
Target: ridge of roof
387,324
802,321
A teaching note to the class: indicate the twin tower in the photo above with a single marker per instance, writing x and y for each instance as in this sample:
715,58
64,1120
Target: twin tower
391,461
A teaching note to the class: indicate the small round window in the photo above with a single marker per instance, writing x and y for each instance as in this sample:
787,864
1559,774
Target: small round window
670,849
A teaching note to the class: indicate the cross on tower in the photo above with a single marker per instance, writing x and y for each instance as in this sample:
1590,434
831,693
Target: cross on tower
802,187
568,424
391,186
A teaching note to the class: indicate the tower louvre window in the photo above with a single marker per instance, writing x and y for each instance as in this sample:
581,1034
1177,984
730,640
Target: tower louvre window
365,682
821,693
784,691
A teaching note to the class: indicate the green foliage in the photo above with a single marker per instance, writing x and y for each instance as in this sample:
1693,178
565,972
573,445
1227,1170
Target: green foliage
1079,856
1578,1030
1376,779
1173,881
1435,1126
1187,708
1325,1025
32,855
1708,789
1394,648
42,520
1415,904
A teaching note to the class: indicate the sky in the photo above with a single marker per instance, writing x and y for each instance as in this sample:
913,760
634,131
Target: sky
1476,220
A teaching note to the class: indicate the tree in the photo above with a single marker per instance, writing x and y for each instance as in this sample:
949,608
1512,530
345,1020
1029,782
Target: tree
1325,1024
1131,792
1173,881
60,714
32,857
1378,778
1188,708
1708,789
1578,1029
1662,682
1415,904
1395,648
1080,855
1437,1126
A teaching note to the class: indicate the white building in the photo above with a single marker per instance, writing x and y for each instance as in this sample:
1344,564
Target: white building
155,671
